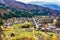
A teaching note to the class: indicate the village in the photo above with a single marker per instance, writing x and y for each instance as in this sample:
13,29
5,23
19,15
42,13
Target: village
34,25
41,21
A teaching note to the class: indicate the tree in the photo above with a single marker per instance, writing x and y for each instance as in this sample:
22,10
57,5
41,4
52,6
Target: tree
1,32
0,15
58,23
1,22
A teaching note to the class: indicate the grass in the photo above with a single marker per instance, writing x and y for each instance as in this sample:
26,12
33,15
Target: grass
21,32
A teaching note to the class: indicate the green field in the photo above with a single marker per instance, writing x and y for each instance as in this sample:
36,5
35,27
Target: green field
21,33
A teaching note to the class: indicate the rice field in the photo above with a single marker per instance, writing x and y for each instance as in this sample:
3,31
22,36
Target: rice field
17,33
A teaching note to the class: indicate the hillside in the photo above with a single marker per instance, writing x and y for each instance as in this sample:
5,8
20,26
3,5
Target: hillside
9,12
51,5
12,8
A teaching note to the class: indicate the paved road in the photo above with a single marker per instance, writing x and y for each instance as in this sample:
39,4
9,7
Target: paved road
35,23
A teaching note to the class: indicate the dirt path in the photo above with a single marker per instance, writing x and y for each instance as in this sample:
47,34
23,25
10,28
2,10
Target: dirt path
39,37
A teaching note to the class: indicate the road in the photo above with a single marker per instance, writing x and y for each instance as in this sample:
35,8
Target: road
35,23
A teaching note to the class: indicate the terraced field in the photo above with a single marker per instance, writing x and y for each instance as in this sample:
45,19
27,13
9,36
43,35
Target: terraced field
17,33
24,34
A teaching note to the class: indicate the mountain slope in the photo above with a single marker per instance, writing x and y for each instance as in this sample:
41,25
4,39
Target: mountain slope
19,9
2,1
17,4
46,4
9,12
53,6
